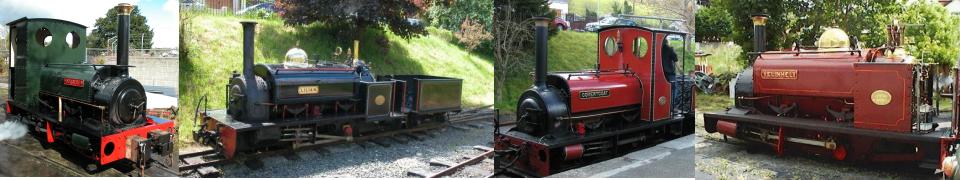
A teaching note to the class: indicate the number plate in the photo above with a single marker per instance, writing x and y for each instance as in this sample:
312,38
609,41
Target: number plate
308,90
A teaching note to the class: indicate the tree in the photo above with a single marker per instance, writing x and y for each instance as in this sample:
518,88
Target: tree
105,31
627,8
513,36
617,10
862,19
680,9
354,17
589,14
742,29
451,14
931,33
472,34
713,24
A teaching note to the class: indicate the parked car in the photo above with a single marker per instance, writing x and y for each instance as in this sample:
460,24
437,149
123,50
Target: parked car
609,21
561,24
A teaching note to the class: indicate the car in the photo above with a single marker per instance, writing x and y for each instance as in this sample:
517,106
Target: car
415,22
609,21
561,24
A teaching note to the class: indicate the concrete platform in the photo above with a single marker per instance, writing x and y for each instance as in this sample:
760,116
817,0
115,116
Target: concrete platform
671,159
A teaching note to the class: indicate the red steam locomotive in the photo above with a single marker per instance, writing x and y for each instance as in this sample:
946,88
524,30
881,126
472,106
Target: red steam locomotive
851,105
570,119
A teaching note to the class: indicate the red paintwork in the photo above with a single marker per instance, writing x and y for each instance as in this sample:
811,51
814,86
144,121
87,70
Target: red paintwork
728,128
119,140
49,134
817,75
573,152
73,82
840,153
894,78
629,78
228,136
532,164
624,91
660,85
816,81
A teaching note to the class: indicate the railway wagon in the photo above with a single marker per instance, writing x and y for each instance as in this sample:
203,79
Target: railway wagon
842,102
297,104
572,119
97,110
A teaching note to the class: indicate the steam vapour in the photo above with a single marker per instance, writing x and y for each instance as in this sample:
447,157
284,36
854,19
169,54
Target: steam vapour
12,130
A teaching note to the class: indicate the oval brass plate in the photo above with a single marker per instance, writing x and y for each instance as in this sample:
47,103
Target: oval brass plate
379,100
880,97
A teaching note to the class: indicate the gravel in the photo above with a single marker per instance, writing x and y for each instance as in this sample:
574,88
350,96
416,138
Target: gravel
372,161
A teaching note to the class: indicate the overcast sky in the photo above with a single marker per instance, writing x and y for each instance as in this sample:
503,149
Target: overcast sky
162,15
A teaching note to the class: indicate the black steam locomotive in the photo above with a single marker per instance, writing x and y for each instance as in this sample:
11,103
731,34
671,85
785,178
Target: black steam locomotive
291,105
96,110
632,99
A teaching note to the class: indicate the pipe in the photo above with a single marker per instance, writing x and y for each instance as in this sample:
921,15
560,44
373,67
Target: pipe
759,32
540,76
123,36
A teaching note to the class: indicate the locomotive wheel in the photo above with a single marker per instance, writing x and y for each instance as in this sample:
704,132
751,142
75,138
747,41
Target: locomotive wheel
840,153
630,116
92,167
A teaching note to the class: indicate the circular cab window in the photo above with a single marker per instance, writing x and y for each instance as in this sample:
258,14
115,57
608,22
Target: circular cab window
640,47
610,46
44,37
73,40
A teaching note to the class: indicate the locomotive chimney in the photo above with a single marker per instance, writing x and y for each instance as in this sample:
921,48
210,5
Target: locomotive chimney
540,76
248,33
759,32
123,35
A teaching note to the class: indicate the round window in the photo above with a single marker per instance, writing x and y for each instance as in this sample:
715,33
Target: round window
610,46
44,37
73,40
640,47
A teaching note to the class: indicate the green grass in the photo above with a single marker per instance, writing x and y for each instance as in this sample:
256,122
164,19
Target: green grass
580,7
213,50
723,57
566,51
713,102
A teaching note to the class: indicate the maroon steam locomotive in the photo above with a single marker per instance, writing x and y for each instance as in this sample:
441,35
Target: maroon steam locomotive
572,119
852,105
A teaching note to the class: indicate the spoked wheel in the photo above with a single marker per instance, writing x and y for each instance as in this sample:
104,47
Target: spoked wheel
703,81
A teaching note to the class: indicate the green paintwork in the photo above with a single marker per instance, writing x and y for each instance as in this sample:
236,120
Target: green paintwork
34,67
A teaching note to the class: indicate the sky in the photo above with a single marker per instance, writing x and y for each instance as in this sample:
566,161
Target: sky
162,15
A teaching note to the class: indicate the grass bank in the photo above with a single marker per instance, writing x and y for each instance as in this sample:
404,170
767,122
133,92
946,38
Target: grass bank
212,50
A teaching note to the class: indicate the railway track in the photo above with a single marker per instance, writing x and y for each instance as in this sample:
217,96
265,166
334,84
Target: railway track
450,169
204,163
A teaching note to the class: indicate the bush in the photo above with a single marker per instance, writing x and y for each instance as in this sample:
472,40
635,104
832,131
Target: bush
713,24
